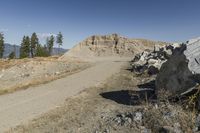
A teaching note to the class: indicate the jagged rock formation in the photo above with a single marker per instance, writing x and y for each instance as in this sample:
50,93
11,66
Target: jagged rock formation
110,45
151,61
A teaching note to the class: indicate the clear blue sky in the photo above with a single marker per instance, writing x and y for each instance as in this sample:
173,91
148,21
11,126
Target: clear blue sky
167,20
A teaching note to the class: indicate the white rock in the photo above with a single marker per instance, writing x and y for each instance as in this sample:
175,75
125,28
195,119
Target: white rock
138,117
176,45
152,61
193,55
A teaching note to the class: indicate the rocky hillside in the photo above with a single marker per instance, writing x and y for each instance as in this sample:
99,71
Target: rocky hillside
110,45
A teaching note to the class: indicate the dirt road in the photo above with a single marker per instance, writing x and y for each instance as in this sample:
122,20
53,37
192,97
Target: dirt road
21,106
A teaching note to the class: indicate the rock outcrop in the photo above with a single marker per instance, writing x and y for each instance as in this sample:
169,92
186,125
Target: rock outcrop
110,45
151,61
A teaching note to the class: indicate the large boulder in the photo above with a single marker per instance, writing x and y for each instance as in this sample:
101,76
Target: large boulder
181,71
175,76
193,55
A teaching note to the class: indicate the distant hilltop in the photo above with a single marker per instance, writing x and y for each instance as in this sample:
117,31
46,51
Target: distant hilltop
10,48
110,45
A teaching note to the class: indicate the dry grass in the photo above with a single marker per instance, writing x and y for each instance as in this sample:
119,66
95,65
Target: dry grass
167,115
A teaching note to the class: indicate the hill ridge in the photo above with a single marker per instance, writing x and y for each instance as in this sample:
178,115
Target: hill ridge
110,45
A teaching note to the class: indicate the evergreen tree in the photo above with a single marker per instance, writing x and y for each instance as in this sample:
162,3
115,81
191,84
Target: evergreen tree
59,40
33,43
1,45
22,53
45,51
41,51
38,50
50,44
25,47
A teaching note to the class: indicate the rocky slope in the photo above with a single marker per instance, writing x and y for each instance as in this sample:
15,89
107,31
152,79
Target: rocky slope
110,45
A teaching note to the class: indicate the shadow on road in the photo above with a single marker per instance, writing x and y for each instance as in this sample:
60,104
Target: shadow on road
130,97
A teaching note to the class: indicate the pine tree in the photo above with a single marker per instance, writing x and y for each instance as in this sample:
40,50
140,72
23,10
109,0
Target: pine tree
38,50
33,43
25,47
59,40
45,51
1,45
22,53
41,51
50,44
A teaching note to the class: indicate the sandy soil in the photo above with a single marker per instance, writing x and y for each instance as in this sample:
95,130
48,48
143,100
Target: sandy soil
20,74
25,105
